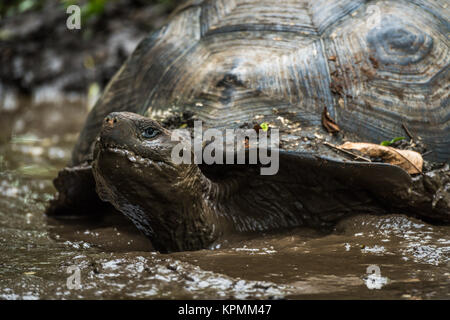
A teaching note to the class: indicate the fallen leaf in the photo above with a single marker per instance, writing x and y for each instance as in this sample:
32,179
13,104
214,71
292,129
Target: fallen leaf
328,122
408,160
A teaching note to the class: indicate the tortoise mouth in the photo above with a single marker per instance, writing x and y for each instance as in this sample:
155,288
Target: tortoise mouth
106,149
130,155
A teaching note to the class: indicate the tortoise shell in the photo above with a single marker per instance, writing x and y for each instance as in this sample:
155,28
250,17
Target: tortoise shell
376,66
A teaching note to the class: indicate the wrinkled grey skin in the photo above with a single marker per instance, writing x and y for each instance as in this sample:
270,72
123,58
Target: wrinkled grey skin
164,200
188,207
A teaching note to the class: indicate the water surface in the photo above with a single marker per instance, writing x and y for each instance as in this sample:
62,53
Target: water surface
116,262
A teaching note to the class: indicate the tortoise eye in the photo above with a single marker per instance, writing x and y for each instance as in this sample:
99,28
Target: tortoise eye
150,133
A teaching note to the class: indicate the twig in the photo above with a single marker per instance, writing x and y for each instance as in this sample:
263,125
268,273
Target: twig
427,153
407,131
347,152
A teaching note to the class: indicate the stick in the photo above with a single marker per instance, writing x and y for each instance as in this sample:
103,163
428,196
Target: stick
407,131
346,151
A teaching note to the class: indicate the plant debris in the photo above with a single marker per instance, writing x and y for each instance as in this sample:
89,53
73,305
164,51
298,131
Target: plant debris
328,122
407,131
390,142
179,120
410,161
264,126
374,62
355,156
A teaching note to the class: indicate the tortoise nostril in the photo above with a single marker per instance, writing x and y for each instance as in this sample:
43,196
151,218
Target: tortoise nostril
110,121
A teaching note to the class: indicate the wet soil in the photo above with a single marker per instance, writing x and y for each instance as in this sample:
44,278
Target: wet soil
39,254
42,108
71,63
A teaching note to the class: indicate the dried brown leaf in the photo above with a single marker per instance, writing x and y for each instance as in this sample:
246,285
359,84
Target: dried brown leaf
328,122
408,160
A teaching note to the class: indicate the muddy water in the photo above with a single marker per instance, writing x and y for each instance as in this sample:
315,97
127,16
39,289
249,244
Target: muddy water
41,258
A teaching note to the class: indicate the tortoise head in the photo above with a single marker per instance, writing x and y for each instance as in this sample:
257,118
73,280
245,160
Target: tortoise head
137,137
133,170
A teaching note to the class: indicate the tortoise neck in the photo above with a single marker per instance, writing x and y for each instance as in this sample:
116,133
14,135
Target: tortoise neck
189,220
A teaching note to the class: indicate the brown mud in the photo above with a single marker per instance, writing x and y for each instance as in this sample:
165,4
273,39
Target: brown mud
116,262
42,109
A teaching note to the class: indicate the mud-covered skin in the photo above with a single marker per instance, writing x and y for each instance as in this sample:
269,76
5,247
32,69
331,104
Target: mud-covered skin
75,185
137,176
188,207
431,193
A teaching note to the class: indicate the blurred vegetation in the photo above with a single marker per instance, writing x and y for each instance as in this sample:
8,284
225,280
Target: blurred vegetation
13,7
89,8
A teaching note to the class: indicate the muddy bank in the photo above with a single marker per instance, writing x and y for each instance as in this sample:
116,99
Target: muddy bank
43,60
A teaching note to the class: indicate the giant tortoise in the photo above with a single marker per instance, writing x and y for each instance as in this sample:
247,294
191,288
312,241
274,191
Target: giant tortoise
372,67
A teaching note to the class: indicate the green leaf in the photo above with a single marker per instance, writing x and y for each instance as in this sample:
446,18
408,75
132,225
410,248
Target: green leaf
387,143
264,126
